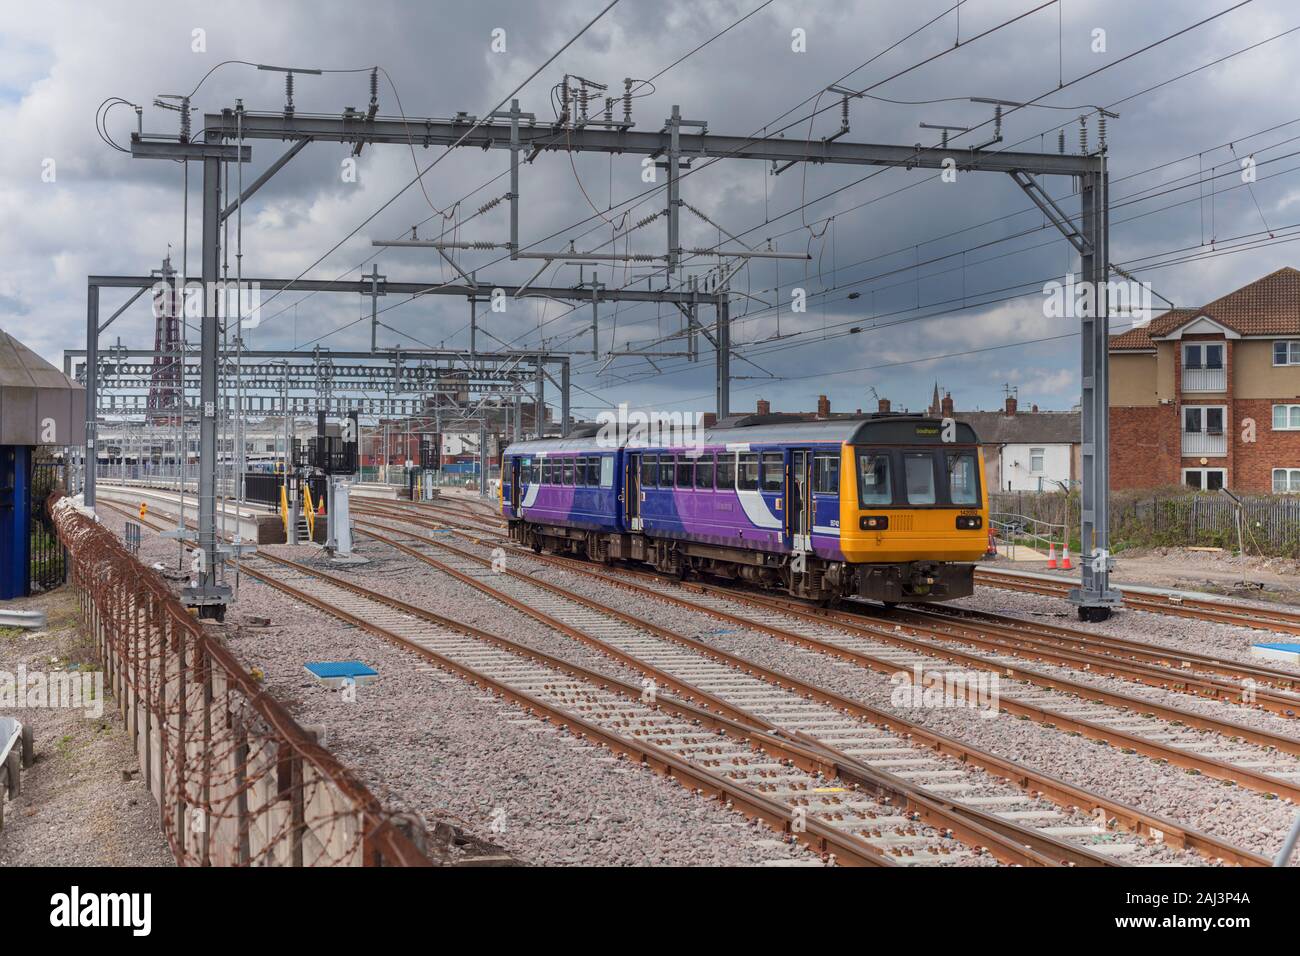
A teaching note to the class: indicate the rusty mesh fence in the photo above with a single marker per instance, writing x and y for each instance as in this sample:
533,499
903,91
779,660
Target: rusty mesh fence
237,781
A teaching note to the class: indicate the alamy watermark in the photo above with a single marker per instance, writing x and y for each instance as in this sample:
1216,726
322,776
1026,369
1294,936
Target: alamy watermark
1073,299
83,690
975,690
236,301
622,428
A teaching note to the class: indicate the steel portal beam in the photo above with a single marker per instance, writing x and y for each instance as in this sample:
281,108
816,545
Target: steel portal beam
363,286
540,138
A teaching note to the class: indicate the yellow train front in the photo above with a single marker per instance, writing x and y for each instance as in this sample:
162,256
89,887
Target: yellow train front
913,509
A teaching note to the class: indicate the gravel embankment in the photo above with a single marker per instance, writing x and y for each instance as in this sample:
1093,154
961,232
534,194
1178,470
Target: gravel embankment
1241,816
429,742
83,803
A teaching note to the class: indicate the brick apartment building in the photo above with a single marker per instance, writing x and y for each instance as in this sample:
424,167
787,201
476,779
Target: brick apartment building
1210,397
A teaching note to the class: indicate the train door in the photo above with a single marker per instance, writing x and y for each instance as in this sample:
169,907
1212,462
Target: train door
515,479
632,491
799,498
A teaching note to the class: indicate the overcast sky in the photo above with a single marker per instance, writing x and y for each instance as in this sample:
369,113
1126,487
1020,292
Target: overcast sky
983,253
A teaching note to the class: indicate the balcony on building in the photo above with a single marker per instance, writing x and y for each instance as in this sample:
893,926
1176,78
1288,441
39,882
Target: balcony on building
1203,368
1203,433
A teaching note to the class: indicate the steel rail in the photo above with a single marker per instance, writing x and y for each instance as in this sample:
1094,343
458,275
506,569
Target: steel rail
1161,654
1058,791
821,838
899,789
1260,619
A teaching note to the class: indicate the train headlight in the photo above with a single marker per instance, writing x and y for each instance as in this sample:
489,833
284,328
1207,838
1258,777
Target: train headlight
969,522
873,522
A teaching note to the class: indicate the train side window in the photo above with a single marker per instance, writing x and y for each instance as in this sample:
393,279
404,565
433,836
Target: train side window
606,471
649,470
548,476
963,479
704,472
773,471
566,472
826,474
685,476
726,470
875,482
747,471
578,466
918,473
593,471
665,471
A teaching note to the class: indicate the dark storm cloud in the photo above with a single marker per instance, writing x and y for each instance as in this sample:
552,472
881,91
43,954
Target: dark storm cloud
107,213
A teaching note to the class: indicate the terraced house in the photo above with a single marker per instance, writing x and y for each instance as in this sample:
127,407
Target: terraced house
1210,397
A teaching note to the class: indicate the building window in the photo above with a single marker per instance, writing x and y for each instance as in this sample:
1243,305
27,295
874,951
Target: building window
1203,418
1286,480
1036,458
1203,355
1286,417
1286,352
1209,479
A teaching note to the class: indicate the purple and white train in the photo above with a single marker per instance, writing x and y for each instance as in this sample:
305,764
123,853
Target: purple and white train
890,507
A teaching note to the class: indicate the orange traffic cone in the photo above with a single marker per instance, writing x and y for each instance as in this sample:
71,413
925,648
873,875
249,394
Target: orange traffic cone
1051,555
320,507
1065,557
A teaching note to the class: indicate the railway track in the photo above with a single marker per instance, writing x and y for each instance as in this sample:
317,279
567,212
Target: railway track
1159,666
845,811
941,766
1201,609
1038,785
1257,759
847,816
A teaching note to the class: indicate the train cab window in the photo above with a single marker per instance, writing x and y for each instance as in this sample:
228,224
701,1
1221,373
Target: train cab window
918,473
649,470
566,472
747,471
773,471
875,481
685,472
826,474
963,479
704,472
665,471
726,470
605,471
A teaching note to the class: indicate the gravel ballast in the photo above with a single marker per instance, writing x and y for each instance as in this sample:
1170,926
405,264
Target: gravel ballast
432,743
